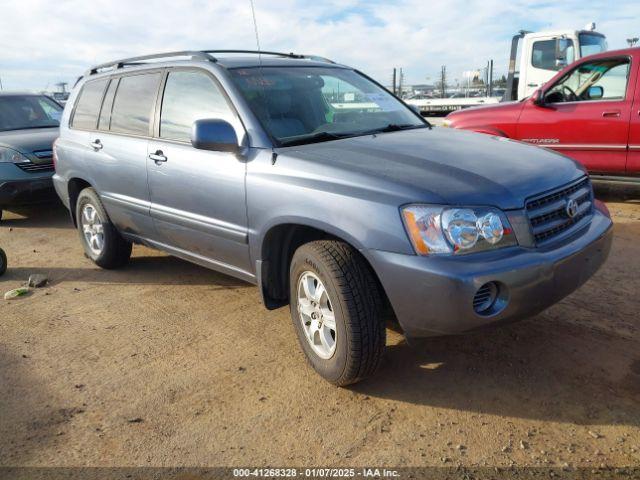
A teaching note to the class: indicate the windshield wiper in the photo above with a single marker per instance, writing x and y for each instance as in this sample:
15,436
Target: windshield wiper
394,127
314,138
328,136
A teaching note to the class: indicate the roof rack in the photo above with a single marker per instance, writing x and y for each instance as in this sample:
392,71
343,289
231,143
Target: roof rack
205,55
115,64
277,54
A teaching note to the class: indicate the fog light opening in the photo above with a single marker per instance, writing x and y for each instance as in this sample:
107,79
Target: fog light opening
485,298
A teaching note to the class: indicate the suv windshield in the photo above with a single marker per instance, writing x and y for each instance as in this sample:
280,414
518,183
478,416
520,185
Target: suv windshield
299,105
591,44
22,112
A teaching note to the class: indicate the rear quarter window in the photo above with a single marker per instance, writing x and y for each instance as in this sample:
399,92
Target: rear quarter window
134,104
88,105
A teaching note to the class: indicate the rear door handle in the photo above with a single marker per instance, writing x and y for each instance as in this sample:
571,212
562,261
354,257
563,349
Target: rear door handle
532,85
96,145
158,157
611,113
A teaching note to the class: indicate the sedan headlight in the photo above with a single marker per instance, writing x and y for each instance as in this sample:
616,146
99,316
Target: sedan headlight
445,230
8,155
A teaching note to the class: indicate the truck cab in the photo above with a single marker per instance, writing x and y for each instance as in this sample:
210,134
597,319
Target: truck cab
536,57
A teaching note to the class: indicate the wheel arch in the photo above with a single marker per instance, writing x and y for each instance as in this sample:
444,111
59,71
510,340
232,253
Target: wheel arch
276,250
74,186
491,131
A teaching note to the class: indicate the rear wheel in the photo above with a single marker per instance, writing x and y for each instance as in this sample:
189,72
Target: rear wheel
101,241
336,311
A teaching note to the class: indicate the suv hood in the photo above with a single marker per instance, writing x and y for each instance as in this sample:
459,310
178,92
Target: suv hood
29,141
442,166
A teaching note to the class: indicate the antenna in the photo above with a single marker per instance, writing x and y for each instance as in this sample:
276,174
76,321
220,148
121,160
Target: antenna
255,28
264,93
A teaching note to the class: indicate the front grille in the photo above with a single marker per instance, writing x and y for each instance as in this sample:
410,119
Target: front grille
548,214
36,167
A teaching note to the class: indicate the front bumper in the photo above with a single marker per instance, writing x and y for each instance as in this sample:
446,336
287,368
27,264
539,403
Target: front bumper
434,295
21,188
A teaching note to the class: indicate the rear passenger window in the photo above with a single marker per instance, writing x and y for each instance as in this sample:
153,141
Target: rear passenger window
134,103
105,113
190,96
88,105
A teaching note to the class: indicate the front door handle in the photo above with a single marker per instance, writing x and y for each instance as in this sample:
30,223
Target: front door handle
611,114
96,144
158,157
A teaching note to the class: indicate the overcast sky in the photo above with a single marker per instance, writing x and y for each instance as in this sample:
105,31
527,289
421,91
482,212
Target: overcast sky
46,41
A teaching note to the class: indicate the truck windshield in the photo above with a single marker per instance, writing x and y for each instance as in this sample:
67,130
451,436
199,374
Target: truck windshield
591,44
298,105
22,112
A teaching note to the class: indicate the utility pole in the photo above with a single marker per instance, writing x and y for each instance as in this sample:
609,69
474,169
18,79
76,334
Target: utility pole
394,81
490,77
1,84
632,41
443,81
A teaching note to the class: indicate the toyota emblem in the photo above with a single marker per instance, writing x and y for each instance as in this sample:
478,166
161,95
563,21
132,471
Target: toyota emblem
571,208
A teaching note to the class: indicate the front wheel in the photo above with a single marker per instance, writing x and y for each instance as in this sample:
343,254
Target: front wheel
336,311
3,262
101,241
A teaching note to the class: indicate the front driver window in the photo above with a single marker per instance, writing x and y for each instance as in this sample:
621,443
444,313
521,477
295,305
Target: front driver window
592,81
552,54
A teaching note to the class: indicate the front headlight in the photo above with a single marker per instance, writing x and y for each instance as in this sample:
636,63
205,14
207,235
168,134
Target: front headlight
446,230
8,155
446,123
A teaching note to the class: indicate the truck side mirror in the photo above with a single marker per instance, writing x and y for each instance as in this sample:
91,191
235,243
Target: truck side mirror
215,135
564,53
595,92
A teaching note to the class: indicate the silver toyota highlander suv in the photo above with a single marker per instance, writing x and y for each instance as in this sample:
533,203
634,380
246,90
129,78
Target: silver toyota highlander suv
310,180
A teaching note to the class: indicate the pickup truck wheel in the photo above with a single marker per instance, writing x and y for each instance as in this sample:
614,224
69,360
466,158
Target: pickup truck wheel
101,241
336,311
3,262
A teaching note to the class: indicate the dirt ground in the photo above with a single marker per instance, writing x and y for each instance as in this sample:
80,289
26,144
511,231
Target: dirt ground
165,363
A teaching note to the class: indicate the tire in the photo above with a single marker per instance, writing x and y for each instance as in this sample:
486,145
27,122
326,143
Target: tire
112,251
355,348
3,262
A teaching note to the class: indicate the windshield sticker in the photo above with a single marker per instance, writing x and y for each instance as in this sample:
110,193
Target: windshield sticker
383,100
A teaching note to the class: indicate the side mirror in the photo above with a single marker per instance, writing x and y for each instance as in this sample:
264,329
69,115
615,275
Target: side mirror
215,135
538,98
596,93
561,63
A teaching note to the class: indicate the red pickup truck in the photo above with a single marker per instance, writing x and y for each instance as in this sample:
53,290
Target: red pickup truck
589,111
